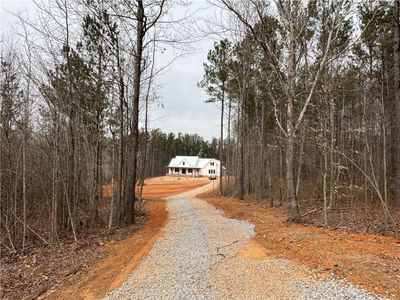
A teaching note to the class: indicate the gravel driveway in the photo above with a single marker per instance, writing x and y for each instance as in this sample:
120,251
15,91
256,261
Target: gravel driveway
204,255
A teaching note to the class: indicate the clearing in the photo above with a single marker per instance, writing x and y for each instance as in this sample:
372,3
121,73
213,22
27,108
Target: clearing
203,254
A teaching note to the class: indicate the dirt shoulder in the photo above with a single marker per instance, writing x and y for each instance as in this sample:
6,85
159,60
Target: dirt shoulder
100,261
122,258
370,261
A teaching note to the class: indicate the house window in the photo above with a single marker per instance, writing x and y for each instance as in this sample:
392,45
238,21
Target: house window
211,163
189,170
183,163
176,170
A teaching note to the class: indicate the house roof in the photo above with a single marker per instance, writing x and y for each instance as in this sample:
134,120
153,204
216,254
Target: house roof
191,161
203,162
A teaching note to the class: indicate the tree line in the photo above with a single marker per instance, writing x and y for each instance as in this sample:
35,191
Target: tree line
161,147
310,97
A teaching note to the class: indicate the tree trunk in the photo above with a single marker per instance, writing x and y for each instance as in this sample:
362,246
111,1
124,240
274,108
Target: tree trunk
69,185
97,170
241,159
146,133
221,142
262,152
121,165
228,154
301,154
25,138
112,204
294,214
396,65
54,208
140,30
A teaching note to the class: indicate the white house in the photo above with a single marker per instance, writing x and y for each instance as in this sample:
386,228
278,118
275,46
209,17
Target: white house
193,166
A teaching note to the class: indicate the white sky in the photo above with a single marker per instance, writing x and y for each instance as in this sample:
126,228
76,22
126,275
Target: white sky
184,108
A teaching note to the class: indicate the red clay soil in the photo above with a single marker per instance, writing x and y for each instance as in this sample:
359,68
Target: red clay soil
370,261
100,261
123,256
159,187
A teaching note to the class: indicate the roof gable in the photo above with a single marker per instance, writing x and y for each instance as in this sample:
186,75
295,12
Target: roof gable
190,162
204,162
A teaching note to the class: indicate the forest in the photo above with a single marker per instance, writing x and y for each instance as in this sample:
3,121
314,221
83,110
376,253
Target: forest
309,102
68,123
309,99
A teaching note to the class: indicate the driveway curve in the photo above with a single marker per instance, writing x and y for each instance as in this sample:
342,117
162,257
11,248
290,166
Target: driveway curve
204,255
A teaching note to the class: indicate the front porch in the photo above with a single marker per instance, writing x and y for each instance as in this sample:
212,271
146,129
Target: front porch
191,172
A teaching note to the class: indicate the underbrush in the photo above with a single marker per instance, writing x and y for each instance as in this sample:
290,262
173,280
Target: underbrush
350,211
40,267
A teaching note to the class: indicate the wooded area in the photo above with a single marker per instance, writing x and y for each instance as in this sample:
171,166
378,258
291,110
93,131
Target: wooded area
71,98
312,90
310,112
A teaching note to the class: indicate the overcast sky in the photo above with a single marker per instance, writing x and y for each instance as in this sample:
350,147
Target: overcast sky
183,106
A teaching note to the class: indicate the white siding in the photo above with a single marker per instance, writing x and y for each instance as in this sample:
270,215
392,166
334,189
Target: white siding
212,166
207,167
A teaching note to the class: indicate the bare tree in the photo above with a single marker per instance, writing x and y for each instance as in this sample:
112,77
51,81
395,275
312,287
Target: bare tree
295,19
396,65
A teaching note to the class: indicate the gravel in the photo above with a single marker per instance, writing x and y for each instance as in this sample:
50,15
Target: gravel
197,257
